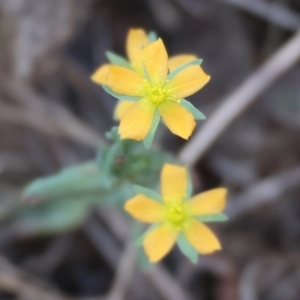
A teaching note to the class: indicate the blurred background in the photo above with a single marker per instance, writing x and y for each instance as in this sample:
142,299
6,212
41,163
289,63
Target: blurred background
52,116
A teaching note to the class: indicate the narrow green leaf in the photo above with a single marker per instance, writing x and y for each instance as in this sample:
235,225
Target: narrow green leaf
147,192
116,193
53,216
137,229
198,115
119,96
101,154
118,60
76,180
180,68
213,218
110,158
146,75
150,136
152,36
186,248
140,240
113,134
143,260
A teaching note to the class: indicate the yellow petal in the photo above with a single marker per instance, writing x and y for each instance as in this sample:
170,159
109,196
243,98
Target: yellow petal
177,118
179,60
201,237
174,181
145,209
137,121
155,59
188,81
100,75
124,81
136,40
159,242
121,109
210,202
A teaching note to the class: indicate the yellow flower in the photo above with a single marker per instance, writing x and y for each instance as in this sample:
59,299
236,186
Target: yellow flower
150,90
175,215
157,94
136,40
173,63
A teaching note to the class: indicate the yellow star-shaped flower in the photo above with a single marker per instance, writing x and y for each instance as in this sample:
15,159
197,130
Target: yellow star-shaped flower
153,91
176,215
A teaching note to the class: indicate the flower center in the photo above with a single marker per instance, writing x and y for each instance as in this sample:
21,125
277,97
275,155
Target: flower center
175,213
154,93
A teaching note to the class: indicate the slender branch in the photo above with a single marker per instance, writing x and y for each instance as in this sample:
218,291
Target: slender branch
166,285
248,280
43,114
102,241
18,282
124,274
47,262
196,9
263,192
272,12
245,95
163,282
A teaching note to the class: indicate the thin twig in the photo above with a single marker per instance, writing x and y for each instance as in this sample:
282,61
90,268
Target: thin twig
46,263
124,273
163,282
168,287
102,241
274,34
11,284
288,287
107,247
94,96
247,288
18,282
264,192
22,116
196,9
272,12
37,109
245,95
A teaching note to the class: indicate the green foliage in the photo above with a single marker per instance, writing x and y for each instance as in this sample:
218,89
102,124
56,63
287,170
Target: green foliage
147,192
142,260
63,201
152,36
150,136
220,217
140,240
186,248
57,215
75,181
179,69
119,96
131,162
198,115
118,60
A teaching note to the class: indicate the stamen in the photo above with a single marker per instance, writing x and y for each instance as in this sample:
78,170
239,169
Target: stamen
175,213
155,93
